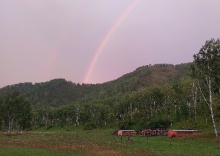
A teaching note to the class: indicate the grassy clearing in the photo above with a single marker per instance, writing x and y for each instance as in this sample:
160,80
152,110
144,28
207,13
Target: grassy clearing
101,142
23,151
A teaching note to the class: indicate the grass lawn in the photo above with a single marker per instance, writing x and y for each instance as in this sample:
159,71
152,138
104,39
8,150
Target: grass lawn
24,151
100,142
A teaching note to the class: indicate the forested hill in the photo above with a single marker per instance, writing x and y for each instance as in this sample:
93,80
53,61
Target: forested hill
148,76
52,93
59,92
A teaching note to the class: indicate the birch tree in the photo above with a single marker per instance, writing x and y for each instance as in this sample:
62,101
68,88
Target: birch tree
206,69
15,111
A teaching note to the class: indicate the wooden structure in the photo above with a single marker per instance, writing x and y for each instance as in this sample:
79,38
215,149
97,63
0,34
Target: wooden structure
182,133
127,132
150,132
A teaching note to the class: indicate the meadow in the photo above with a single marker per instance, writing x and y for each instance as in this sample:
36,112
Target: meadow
74,142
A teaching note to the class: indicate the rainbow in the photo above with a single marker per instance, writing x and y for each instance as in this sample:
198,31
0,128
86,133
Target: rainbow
106,38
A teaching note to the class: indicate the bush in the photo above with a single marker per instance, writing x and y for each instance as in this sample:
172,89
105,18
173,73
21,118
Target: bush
128,124
89,126
159,123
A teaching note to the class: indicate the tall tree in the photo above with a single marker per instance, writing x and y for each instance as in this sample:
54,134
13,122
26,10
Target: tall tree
15,111
206,69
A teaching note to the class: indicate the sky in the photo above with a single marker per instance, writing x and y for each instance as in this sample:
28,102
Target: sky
95,41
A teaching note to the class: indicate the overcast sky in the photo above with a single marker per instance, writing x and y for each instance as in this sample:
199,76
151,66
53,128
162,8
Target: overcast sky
94,41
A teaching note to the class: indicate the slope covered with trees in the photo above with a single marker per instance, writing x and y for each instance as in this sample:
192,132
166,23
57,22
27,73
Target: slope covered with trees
56,92
59,92
128,101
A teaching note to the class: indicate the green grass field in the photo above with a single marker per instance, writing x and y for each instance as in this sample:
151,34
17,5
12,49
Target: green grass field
57,142
24,151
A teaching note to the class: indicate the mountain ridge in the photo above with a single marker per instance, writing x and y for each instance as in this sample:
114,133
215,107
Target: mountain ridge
59,92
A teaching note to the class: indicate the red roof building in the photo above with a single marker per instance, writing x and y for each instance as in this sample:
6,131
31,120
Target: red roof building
181,133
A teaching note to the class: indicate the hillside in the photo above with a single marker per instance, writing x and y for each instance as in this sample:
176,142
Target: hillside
56,92
60,92
149,76
157,96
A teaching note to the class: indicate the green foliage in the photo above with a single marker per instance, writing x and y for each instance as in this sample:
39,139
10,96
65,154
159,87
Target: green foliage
60,92
89,126
155,96
128,124
56,92
205,70
15,111
159,123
